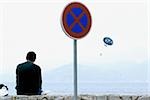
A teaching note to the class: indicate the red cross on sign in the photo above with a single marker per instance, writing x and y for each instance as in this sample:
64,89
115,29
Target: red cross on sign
76,20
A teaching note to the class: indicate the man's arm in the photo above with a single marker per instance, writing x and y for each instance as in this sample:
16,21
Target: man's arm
40,79
17,78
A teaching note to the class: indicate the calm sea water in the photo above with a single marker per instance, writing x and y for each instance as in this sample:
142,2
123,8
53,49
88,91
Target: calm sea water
89,88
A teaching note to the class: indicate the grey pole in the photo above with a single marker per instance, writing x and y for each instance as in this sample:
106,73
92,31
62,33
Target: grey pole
75,70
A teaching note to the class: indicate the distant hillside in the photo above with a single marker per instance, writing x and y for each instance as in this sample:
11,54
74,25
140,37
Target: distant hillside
112,77
99,73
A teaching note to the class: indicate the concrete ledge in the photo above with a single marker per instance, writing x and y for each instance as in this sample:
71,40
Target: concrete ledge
81,97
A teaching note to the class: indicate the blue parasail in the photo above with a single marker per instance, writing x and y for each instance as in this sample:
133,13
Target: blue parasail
108,41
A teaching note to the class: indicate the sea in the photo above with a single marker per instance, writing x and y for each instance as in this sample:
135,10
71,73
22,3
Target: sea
89,88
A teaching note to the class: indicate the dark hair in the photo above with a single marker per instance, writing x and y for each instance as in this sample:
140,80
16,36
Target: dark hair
31,56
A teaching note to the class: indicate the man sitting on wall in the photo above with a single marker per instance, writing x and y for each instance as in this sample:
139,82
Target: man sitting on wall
28,77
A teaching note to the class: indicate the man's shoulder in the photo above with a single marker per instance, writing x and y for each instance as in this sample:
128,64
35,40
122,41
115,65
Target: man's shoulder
37,66
21,64
25,64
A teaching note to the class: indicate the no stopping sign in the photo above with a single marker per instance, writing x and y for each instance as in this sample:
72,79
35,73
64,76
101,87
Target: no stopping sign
76,20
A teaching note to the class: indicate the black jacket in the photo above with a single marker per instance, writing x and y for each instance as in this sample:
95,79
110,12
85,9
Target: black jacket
28,79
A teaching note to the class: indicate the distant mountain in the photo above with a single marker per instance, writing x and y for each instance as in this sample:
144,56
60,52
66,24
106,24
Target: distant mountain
99,73
123,72
102,78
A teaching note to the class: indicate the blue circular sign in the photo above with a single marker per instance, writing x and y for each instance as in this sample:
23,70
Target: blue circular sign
76,20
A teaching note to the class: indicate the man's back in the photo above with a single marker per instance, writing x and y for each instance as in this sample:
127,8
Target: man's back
28,78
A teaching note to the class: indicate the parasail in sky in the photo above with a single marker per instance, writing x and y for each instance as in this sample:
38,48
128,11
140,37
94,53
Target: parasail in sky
108,41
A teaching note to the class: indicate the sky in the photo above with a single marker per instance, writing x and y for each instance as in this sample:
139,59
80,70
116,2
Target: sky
35,25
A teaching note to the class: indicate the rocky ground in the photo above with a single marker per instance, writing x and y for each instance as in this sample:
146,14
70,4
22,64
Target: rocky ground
81,97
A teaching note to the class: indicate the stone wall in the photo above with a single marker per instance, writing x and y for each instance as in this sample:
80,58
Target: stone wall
81,97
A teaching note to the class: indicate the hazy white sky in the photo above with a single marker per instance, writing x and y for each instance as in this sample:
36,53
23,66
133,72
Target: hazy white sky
35,25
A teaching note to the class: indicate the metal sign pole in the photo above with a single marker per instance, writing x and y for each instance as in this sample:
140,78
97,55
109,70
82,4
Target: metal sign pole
75,69
83,19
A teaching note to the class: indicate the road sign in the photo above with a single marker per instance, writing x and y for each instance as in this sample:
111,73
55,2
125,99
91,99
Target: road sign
76,20
76,23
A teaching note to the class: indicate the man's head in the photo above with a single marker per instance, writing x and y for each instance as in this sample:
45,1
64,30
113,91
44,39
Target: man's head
31,56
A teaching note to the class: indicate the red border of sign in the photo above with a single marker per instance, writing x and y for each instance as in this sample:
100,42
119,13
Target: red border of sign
64,22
